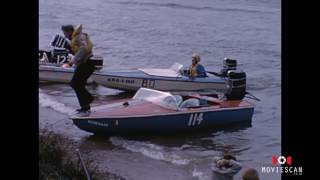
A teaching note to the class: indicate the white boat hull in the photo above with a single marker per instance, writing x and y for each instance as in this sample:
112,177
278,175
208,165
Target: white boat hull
57,74
164,84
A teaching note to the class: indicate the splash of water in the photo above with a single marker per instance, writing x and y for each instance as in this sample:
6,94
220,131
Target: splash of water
150,150
198,174
49,102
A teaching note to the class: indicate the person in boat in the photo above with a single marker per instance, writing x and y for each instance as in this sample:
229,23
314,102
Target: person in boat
81,48
197,69
225,168
250,174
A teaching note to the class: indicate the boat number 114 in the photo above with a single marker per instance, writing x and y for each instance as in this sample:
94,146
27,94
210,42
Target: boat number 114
195,119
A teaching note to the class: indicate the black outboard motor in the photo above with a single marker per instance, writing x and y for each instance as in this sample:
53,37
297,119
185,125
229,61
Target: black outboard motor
61,48
97,61
56,55
228,64
61,42
59,55
237,85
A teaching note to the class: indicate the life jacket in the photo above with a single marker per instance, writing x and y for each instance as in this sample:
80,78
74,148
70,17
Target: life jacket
75,38
193,70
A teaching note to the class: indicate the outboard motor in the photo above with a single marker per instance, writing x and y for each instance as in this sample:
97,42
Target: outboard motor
228,64
237,85
61,48
97,61
61,42
59,55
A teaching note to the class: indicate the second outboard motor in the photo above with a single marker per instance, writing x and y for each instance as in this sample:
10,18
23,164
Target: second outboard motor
237,85
97,61
228,64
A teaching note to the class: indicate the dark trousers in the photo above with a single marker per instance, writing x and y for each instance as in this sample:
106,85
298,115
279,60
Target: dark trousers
79,80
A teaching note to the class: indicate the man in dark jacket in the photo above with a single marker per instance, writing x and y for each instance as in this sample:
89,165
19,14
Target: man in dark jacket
81,47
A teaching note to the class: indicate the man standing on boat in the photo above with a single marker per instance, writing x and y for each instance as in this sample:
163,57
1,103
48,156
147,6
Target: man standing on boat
81,47
196,69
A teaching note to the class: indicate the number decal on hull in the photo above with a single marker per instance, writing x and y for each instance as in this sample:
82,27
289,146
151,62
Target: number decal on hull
59,61
195,119
148,83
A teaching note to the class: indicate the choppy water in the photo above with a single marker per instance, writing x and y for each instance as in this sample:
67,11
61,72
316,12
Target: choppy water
141,33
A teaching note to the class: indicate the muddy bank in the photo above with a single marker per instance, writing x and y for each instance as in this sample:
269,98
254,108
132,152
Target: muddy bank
58,158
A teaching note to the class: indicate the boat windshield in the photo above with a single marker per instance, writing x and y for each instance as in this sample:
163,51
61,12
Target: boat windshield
173,71
163,99
176,67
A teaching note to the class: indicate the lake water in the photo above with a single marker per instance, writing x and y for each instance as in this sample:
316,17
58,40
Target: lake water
150,33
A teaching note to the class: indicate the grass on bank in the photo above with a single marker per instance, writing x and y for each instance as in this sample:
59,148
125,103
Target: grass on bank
57,161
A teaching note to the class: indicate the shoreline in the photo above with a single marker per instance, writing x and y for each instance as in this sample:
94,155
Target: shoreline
110,158
58,126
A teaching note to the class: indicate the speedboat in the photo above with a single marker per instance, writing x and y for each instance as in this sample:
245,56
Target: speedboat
170,79
174,78
153,111
56,73
51,67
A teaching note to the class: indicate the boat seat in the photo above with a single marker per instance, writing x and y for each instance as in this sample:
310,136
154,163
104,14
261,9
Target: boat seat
192,102
203,102
179,99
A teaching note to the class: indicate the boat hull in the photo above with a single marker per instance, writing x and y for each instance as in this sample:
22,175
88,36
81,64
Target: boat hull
57,74
134,80
166,123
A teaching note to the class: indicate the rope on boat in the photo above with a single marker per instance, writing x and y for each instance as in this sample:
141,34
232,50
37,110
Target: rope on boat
251,96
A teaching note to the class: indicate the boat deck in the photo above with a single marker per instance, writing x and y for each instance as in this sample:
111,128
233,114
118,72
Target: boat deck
143,108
